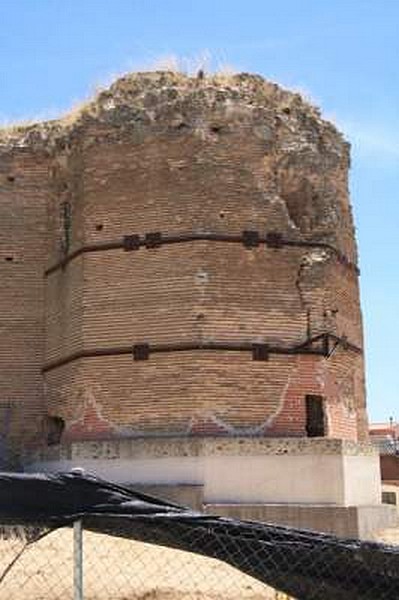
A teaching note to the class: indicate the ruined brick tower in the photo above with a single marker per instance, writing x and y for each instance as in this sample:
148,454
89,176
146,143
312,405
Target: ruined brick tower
179,259
180,302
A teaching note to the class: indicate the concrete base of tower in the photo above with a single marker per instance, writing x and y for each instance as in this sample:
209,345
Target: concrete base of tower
345,521
320,483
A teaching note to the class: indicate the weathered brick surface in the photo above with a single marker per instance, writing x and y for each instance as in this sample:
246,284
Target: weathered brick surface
23,201
389,467
167,153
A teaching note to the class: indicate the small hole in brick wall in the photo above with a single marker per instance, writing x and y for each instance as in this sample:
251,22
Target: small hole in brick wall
99,227
221,214
9,258
11,178
202,276
216,128
200,317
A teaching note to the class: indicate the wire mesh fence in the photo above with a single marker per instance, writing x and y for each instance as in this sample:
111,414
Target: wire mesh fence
34,565
75,536
37,563
389,446
114,569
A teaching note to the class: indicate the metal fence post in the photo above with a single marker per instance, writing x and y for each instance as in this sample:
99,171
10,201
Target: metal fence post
78,560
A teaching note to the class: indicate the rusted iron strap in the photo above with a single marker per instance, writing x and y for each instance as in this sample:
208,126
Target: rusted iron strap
260,351
92,353
250,239
83,250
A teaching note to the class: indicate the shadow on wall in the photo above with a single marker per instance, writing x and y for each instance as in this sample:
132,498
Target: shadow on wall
7,457
3,453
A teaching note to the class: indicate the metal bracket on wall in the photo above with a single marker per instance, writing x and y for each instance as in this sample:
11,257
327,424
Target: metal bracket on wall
153,239
249,238
141,351
326,344
131,242
260,351
327,348
274,239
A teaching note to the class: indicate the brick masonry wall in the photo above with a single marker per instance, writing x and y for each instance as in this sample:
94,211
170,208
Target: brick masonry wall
167,153
389,467
23,202
199,392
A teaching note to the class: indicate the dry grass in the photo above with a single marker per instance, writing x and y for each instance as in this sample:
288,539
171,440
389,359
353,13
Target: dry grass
169,70
216,70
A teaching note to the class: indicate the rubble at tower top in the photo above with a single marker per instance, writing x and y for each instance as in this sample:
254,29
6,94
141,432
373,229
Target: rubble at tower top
167,99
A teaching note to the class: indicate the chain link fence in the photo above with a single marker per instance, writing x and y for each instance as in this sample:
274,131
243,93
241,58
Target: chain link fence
70,536
73,563
389,446
40,565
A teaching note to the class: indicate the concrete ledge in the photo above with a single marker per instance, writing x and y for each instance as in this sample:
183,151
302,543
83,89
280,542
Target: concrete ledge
248,470
345,521
323,484
162,447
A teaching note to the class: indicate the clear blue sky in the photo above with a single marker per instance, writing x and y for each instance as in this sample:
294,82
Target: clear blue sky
344,53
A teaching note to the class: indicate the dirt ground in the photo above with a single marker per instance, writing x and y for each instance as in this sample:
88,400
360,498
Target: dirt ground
117,569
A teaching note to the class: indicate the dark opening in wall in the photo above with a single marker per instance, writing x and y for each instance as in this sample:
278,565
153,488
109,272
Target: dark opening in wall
9,258
99,227
221,214
389,498
54,427
216,128
315,416
11,178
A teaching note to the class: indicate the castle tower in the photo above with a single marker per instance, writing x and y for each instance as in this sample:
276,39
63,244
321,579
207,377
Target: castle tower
198,284
209,226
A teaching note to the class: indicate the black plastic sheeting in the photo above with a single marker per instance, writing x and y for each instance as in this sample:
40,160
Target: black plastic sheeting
304,564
